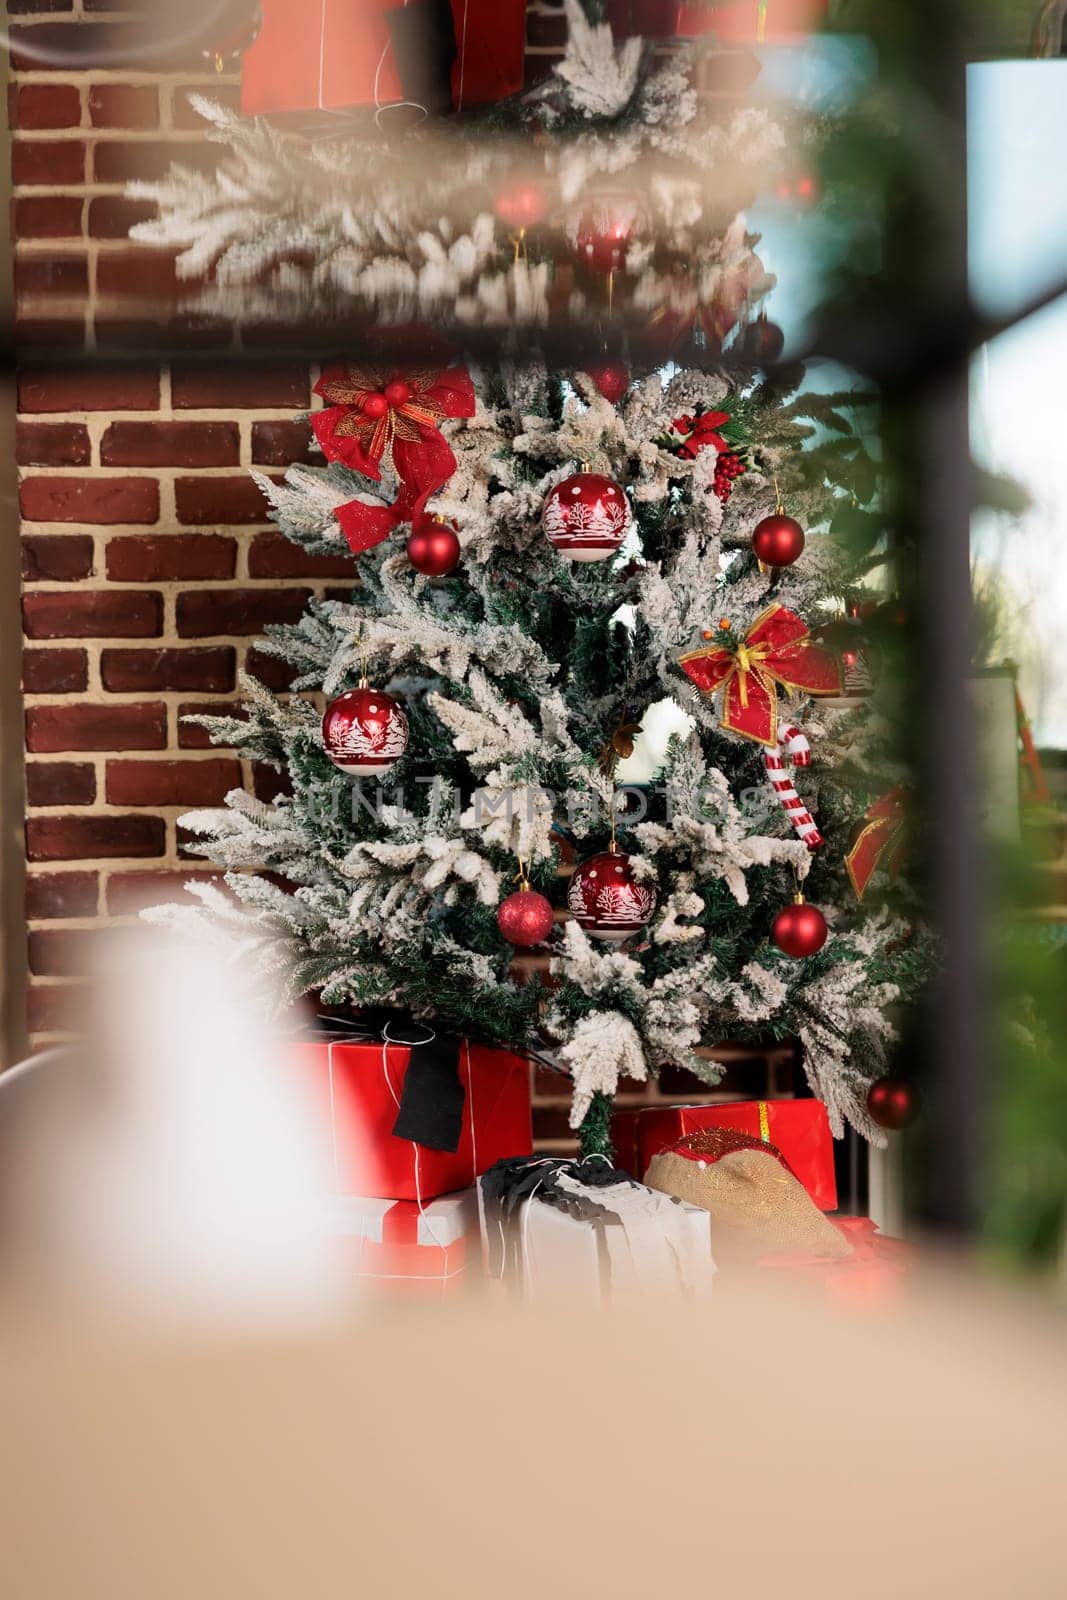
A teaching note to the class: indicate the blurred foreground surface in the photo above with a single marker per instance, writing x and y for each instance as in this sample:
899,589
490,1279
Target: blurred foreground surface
756,1447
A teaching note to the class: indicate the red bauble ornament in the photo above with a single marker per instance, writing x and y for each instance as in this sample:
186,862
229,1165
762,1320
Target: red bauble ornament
525,918
799,929
611,378
375,405
397,392
521,205
606,899
893,1103
433,548
587,517
364,732
602,234
778,540
761,341
800,188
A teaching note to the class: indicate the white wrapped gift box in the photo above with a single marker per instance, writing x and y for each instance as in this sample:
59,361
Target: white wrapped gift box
617,1241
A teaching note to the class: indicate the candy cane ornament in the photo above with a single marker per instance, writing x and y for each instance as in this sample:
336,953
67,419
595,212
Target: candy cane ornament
793,751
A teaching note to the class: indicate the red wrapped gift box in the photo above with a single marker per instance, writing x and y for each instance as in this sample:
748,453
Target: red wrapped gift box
732,21
798,1128
361,1086
323,55
401,1249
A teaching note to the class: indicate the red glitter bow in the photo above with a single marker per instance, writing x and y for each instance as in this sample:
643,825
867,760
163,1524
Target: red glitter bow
881,841
374,413
777,649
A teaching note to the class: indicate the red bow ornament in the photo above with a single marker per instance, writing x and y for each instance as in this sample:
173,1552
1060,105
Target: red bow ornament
777,649
374,414
700,433
881,841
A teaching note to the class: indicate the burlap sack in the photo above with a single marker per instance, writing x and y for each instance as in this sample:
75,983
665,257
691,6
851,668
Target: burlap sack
757,1206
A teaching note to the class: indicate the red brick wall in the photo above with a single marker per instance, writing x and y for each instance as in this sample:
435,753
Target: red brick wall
149,564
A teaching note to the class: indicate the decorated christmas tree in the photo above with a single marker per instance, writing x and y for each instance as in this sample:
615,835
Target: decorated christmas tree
551,562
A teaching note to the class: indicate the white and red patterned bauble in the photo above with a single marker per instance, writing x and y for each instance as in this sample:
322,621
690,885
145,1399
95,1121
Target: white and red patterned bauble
364,732
587,517
606,899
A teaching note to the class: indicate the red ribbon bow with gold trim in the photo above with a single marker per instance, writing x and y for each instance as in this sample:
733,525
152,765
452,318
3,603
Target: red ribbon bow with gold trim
881,841
777,649
374,413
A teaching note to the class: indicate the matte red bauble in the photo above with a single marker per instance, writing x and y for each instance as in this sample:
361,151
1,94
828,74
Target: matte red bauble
611,378
761,341
525,918
778,540
521,205
587,517
799,929
893,1103
606,899
433,548
364,732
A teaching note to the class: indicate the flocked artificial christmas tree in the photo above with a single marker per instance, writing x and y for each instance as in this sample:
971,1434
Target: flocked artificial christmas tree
593,559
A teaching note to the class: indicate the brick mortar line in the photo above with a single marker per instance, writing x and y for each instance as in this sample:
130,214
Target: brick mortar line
166,411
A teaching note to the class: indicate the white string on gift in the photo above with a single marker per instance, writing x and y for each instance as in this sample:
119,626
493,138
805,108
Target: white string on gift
793,751
391,105
462,43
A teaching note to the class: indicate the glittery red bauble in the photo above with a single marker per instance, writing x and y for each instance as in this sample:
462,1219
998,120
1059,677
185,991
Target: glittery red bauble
611,378
778,540
761,341
364,732
587,517
893,1103
525,918
433,548
397,392
521,205
375,405
606,899
800,930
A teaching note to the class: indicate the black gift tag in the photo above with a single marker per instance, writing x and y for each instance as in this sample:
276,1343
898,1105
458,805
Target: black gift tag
424,47
431,1102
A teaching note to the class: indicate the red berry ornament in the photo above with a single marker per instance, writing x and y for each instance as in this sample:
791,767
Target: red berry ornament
778,540
800,930
587,517
606,899
364,732
611,378
525,918
893,1103
375,405
433,547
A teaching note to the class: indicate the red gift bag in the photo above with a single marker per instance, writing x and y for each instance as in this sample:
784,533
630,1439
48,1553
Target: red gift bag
360,1086
324,55
799,1129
